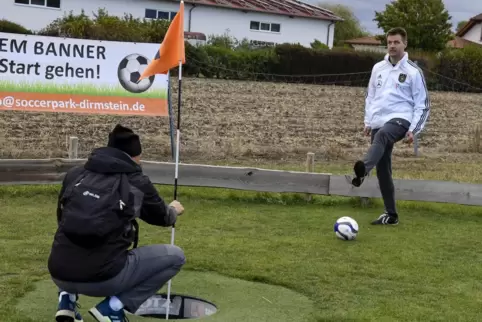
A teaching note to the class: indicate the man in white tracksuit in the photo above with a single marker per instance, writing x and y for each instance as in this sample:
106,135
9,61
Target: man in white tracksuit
397,106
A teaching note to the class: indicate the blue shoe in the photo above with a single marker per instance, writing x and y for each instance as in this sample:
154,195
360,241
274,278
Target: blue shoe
67,310
78,317
102,312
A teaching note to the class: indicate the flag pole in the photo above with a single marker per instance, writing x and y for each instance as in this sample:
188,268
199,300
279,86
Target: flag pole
176,171
171,117
165,60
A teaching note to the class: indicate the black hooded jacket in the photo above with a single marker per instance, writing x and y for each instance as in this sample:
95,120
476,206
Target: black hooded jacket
68,262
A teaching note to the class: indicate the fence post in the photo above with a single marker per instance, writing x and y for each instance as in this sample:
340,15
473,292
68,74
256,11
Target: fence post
310,167
73,147
475,140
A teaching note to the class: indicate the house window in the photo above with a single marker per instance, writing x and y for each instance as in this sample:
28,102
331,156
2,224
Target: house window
254,25
151,14
40,3
265,26
163,15
159,14
275,27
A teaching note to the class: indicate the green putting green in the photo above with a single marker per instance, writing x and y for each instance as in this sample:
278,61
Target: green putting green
235,299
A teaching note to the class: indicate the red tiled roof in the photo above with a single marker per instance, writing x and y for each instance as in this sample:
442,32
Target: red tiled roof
477,18
194,35
281,7
473,21
459,42
369,40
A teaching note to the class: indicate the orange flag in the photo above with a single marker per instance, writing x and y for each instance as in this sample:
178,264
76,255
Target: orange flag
172,49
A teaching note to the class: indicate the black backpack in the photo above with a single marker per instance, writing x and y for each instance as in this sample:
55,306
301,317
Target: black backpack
98,207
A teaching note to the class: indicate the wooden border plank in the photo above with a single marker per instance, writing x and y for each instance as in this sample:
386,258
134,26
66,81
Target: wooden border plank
415,190
239,178
195,175
245,178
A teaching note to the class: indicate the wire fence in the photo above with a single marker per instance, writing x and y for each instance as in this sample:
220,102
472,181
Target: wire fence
435,81
276,117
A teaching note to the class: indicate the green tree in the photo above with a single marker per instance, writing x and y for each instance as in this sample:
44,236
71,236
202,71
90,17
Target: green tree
427,22
349,28
461,24
104,26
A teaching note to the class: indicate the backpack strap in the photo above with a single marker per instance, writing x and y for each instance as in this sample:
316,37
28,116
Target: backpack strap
124,188
131,196
136,233
72,185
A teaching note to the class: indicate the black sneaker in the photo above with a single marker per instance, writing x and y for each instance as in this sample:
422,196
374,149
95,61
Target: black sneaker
360,173
386,219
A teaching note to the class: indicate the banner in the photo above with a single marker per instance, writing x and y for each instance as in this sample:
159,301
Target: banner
52,74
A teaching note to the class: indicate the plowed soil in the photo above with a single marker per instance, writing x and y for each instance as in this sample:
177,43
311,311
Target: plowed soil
249,120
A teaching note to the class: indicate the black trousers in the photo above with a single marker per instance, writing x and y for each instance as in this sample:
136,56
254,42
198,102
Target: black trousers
379,155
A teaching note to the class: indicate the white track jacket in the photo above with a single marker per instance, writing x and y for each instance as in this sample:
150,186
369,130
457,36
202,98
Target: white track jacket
397,91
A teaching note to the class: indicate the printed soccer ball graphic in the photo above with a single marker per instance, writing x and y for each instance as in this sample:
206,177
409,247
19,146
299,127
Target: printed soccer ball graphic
129,72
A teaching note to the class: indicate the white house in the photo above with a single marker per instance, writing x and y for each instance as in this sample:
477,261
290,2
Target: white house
262,21
472,31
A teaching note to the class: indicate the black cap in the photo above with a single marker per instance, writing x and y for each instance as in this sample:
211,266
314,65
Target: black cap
126,140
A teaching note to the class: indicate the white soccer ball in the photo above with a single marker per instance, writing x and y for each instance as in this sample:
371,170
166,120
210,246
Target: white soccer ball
130,70
346,228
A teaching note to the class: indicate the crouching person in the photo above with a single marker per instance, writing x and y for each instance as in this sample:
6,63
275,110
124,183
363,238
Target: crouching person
91,253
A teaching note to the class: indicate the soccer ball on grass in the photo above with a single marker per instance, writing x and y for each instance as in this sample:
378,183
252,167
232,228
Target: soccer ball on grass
346,228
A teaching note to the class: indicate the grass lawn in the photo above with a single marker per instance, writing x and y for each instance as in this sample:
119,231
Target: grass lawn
236,300
78,89
426,269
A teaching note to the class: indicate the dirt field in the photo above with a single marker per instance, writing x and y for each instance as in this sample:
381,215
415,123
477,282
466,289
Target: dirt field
248,120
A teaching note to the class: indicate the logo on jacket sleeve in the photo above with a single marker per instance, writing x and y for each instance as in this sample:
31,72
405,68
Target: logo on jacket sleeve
379,82
402,77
